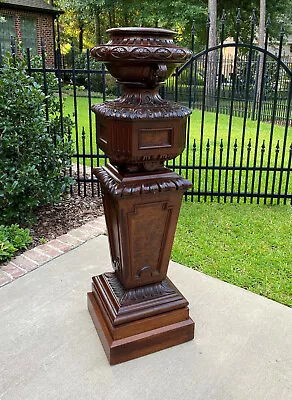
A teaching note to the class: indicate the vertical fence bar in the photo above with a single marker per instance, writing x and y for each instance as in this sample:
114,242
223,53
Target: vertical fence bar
203,108
254,103
84,160
13,49
263,149
195,83
28,61
248,73
191,66
75,114
220,169
274,111
103,82
260,101
59,78
70,167
207,165
288,176
232,101
193,169
287,119
223,20
188,146
275,171
45,77
247,170
233,169
90,117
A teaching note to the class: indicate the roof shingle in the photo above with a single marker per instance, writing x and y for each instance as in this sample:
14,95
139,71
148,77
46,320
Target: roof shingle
40,5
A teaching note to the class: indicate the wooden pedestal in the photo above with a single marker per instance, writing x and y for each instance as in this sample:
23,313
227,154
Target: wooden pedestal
133,323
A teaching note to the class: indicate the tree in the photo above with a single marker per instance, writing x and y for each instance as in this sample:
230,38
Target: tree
212,56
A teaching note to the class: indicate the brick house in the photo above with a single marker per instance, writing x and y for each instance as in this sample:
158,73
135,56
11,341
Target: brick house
29,21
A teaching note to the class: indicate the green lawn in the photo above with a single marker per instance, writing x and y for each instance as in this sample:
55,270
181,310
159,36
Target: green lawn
244,244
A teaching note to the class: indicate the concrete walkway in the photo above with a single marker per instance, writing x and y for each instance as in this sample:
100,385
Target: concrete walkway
49,348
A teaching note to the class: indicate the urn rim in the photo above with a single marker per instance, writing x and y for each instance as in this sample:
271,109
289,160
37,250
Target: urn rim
140,31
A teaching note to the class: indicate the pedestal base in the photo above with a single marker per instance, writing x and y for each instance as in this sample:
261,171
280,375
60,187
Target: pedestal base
128,330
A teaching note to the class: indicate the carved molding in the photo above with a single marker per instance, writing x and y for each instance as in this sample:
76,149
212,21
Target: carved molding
124,189
135,106
157,53
138,295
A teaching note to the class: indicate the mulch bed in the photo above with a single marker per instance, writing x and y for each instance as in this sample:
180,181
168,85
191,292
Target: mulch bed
57,219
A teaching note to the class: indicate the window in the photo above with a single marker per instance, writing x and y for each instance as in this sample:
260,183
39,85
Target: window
28,33
7,29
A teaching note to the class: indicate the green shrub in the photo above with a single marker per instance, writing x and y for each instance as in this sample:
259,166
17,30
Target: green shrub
33,153
12,238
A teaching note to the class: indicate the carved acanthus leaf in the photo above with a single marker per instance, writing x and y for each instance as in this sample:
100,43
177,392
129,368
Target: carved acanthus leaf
123,189
135,107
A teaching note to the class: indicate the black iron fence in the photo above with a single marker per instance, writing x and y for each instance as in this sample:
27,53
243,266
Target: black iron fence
238,139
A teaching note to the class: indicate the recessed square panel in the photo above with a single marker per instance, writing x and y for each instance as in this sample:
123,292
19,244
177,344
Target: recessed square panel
154,138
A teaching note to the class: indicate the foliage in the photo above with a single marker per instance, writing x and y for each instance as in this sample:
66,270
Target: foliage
243,244
93,17
33,153
279,11
12,238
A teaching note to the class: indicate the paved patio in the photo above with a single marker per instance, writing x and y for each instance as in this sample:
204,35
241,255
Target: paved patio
50,349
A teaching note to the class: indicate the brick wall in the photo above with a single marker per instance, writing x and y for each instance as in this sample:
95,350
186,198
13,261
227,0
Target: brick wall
44,30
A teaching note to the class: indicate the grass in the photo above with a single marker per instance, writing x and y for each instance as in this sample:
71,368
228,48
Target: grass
247,245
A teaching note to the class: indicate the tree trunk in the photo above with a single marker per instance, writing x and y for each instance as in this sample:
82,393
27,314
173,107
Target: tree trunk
262,22
212,56
97,27
126,23
81,31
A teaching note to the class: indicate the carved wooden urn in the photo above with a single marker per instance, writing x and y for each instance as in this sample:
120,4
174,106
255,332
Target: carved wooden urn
136,309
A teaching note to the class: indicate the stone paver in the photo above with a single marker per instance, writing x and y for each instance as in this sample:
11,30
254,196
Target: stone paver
40,255
13,271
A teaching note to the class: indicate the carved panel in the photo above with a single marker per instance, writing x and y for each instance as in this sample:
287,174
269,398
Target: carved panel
148,226
151,138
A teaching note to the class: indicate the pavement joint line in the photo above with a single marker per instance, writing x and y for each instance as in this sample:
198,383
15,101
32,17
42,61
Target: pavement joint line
29,259
36,264
9,276
75,237
41,252
56,248
17,266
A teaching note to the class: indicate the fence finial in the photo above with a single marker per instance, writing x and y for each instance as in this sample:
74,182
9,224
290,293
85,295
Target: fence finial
253,17
282,32
193,27
208,21
268,23
223,18
238,17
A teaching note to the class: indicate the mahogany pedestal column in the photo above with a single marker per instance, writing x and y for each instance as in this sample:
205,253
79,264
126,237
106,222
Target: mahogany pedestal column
136,309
